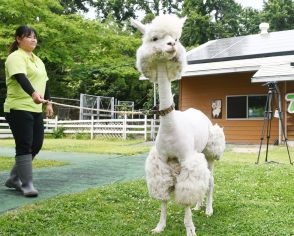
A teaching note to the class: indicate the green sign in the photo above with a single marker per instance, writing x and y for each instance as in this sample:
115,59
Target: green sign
290,98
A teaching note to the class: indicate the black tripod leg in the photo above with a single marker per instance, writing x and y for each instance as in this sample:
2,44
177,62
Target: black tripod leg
268,135
265,123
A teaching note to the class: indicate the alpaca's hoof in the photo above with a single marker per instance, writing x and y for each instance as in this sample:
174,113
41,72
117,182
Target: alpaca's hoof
208,211
159,228
190,231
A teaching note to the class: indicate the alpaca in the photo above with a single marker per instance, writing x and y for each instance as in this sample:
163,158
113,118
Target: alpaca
187,143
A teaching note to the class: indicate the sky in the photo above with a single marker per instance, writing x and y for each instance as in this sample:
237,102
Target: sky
257,4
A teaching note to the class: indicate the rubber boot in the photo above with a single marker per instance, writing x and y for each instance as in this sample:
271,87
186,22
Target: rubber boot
25,173
13,181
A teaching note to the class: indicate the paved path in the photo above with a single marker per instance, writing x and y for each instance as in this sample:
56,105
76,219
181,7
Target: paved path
84,171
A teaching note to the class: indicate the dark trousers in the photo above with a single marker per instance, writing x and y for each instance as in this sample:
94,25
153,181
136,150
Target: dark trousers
28,131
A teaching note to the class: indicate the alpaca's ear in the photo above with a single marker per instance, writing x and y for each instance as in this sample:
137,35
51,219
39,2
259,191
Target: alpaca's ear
137,24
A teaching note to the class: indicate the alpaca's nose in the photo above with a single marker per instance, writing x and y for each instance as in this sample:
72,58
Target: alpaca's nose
172,43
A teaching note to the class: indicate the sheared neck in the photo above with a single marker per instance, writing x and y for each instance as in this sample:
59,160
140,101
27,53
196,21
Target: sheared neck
164,87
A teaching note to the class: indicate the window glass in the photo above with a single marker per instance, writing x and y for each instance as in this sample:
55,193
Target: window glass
237,107
256,106
243,107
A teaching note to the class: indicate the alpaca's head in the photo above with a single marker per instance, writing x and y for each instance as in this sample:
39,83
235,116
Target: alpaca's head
161,45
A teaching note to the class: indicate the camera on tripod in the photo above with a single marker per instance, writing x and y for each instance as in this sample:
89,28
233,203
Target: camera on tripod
271,85
273,92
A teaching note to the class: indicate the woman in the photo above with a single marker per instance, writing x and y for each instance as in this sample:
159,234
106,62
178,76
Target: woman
27,90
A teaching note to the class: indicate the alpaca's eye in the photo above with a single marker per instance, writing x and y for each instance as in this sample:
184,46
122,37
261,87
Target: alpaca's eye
154,39
176,40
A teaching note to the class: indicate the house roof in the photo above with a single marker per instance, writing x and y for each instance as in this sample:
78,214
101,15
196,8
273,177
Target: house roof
244,47
241,54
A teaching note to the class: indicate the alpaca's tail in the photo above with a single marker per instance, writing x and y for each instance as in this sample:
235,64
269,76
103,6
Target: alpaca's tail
216,142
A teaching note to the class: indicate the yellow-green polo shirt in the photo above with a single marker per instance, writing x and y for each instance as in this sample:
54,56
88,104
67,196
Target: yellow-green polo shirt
33,67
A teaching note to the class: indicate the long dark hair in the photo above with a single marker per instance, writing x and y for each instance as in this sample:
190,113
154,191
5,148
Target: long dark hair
21,31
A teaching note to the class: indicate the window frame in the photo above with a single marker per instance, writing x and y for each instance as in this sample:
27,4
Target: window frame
247,108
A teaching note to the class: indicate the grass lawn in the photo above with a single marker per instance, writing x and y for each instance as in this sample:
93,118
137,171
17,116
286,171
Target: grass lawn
6,163
125,147
249,200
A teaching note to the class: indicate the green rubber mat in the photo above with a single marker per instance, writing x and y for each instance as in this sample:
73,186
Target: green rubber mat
84,171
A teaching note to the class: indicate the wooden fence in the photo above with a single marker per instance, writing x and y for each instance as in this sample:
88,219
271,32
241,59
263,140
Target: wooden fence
118,128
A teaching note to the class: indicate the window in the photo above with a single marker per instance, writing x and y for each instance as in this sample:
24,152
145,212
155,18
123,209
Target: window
246,107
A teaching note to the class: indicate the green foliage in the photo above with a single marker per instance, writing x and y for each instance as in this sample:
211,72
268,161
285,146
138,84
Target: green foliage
122,10
279,14
58,132
81,56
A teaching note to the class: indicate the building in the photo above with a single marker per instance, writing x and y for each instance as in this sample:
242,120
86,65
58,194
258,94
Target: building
226,79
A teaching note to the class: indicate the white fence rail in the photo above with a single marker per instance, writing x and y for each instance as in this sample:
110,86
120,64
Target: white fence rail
120,128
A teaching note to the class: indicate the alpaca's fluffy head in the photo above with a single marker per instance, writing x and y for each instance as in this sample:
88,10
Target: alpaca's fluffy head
161,45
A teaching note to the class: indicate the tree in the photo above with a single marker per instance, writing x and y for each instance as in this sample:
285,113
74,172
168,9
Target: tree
81,56
73,6
122,10
210,19
249,21
279,14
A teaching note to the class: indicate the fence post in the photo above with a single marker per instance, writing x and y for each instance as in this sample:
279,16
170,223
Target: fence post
145,128
125,127
56,123
92,127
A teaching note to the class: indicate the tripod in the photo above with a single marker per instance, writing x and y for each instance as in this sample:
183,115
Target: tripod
273,92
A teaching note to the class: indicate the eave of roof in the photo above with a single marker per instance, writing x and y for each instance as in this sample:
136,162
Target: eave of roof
274,73
234,66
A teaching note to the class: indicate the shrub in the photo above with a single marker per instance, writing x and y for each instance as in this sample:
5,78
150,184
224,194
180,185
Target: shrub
58,132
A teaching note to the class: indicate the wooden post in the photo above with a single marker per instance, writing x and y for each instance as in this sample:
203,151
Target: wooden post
145,128
92,127
56,123
125,127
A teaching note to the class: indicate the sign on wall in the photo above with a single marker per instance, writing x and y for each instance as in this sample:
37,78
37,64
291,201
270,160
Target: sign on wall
290,98
216,108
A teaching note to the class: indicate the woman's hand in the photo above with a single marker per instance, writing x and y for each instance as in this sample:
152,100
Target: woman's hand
37,98
49,110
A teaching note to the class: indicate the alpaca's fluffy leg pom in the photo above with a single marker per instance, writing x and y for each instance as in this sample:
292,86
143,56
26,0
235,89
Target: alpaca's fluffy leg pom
158,177
190,228
162,221
193,181
216,143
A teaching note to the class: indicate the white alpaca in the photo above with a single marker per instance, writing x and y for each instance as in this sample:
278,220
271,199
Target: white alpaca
177,162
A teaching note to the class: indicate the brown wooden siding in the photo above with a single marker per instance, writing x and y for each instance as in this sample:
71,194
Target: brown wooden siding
198,92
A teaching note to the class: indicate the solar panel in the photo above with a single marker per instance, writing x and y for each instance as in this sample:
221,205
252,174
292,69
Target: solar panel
243,47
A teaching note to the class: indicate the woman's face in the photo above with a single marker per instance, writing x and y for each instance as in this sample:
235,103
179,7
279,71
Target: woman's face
27,43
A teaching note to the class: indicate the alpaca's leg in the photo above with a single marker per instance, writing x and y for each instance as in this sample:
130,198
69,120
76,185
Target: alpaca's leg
190,228
209,208
198,206
162,221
